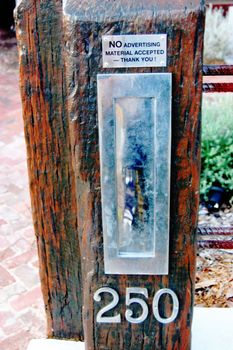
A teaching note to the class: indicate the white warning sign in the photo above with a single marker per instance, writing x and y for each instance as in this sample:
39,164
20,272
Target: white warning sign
122,51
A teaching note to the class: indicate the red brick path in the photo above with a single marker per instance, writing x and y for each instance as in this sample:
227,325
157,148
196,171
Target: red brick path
21,307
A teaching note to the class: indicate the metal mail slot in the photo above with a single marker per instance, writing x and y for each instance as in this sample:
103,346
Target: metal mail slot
134,113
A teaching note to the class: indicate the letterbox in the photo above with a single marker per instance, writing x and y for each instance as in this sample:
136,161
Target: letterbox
130,77
135,142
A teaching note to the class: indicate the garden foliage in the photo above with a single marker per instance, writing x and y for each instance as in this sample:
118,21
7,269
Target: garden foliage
217,142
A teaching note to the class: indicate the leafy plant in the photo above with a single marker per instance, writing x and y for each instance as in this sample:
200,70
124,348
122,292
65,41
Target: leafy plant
217,142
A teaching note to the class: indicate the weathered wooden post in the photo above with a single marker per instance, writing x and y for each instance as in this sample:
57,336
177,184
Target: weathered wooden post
51,176
137,178
111,96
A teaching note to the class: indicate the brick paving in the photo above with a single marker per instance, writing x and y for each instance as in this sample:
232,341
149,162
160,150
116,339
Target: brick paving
21,307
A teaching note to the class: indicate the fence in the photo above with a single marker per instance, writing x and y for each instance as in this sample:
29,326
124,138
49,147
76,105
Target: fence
221,237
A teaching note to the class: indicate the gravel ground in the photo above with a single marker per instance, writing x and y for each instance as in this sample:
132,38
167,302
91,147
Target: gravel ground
214,278
221,218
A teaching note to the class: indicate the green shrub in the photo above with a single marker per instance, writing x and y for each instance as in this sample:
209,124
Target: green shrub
217,141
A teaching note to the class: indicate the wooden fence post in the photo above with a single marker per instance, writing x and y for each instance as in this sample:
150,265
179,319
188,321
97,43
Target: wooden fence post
51,177
85,23
64,167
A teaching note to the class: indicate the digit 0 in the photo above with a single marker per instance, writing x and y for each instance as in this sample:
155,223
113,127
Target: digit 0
156,306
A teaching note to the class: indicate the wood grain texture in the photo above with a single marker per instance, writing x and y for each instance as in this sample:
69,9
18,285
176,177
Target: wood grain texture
83,61
39,34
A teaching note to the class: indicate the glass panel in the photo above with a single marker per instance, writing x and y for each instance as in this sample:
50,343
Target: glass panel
134,115
135,173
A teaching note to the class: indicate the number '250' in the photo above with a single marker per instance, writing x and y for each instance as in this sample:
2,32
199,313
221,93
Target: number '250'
130,300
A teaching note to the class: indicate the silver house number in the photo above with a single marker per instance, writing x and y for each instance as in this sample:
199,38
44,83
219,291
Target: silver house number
134,112
130,298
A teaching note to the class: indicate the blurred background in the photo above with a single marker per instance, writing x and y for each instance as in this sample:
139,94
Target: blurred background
22,314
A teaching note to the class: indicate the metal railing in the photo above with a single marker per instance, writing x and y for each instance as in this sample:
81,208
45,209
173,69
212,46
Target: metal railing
218,70
216,237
